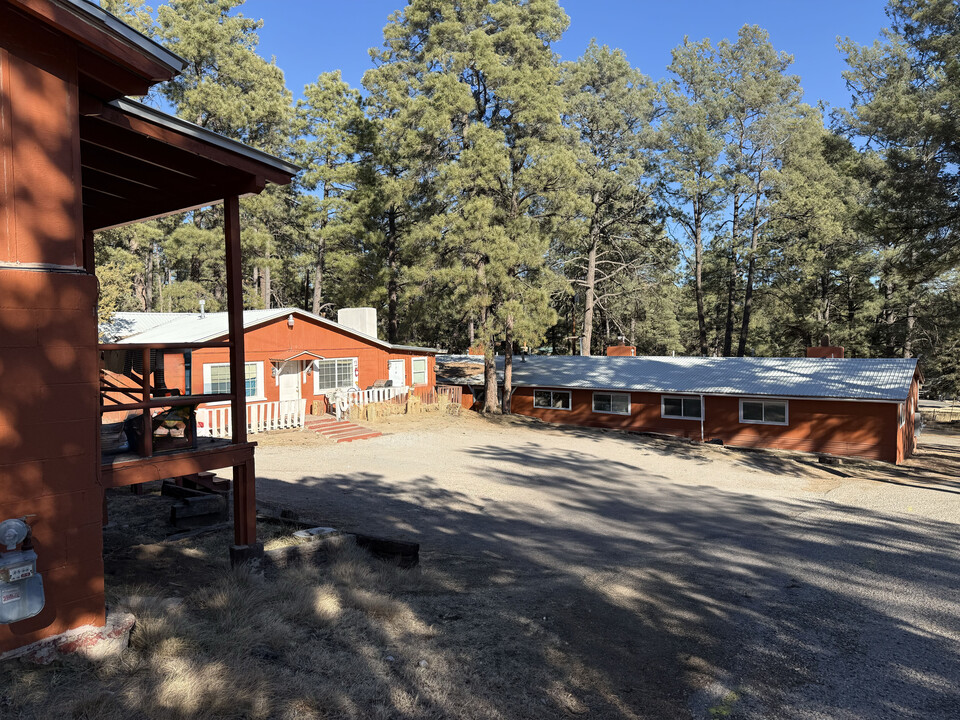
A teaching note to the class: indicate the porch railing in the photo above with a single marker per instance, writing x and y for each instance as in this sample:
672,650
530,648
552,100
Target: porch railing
343,401
140,384
261,417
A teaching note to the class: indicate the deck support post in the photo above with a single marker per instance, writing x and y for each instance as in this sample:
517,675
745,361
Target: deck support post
244,476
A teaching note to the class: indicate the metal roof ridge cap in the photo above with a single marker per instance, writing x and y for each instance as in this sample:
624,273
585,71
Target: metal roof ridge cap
150,114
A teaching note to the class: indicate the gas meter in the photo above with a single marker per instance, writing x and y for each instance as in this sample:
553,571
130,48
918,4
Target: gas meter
21,588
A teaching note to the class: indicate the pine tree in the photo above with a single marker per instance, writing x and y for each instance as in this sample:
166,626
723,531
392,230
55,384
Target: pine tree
476,86
616,237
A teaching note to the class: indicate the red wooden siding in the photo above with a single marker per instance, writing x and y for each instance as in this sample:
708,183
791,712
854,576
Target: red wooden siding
49,453
861,429
40,205
49,408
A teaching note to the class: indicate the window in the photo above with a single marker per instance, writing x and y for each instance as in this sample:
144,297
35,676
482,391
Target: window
332,374
901,415
418,368
684,408
551,399
615,403
216,379
765,412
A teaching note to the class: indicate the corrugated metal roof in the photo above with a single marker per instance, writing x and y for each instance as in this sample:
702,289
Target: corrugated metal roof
137,327
849,378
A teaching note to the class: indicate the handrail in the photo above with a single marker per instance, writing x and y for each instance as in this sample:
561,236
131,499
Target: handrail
169,401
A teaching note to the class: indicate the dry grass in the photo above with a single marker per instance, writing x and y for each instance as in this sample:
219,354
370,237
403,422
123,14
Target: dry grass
353,638
311,642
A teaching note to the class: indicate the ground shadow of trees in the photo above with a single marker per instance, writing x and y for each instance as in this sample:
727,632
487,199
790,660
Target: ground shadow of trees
654,599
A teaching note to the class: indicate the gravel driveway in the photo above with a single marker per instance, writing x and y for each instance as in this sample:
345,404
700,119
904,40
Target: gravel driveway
668,579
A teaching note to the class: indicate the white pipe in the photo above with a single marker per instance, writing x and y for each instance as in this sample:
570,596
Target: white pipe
702,413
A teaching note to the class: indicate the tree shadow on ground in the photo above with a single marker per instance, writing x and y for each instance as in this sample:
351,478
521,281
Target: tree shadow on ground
638,597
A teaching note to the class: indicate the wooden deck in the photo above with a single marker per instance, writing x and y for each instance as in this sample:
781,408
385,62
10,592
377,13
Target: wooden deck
210,454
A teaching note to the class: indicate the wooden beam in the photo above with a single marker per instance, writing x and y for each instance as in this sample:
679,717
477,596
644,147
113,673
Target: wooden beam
103,215
209,456
244,504
244,476
125,150
231,231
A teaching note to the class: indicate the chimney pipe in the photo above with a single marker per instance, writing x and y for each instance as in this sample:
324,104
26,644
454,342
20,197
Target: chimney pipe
203,304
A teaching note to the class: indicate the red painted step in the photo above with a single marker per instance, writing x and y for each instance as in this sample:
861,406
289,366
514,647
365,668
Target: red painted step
340,430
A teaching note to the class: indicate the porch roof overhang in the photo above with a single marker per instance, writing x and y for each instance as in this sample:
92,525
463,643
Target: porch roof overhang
138,163
304,355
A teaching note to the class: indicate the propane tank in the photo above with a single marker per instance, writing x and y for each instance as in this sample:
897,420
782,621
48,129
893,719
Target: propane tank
21,588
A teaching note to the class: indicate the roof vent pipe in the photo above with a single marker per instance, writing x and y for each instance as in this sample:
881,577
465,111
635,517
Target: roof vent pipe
203,305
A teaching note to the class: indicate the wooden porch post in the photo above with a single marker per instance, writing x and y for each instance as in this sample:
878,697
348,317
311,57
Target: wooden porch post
244,477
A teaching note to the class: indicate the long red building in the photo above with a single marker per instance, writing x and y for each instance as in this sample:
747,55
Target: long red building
854,407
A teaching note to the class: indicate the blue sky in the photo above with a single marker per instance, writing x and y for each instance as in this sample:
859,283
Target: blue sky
308,37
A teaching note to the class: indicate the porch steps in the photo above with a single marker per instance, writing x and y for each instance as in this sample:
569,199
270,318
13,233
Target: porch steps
339,430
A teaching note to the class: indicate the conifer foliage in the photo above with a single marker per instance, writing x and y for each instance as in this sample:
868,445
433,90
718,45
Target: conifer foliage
478,190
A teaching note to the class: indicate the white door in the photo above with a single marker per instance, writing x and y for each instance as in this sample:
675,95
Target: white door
289,381
398,373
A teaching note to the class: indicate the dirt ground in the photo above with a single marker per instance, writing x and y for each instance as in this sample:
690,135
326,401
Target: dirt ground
564,573
667,579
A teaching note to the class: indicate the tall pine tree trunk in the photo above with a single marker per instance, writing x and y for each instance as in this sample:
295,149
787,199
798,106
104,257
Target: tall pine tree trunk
266,286
508,366
889,317
490,404
148,273
698,281
392,280
728,321
591,281
751,265
911,321
733,277
318,273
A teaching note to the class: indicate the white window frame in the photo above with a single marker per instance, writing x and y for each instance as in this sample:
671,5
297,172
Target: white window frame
552,393
663,411
786,411
208,371
413,372
317,390
611,411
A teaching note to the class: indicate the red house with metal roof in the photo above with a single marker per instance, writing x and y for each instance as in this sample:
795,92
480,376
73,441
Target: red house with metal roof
290,354
855,407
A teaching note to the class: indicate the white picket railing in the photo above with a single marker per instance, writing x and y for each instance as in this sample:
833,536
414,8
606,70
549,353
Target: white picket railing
261,417
342,400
